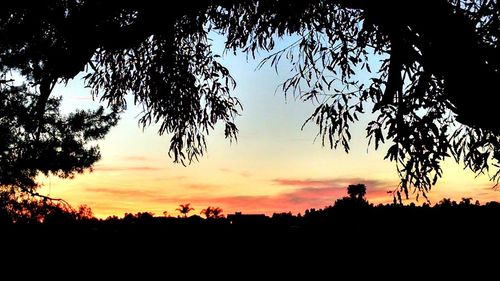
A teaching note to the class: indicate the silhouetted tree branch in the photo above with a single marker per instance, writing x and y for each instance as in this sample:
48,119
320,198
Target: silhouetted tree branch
439,61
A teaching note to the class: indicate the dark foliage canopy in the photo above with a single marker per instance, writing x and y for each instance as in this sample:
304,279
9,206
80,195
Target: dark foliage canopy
54,144
431,94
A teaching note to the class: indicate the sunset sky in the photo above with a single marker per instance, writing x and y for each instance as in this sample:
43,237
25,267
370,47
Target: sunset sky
274,166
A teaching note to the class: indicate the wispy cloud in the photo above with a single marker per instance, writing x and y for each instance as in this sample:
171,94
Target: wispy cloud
340,183
119,193
201,186
311,193
82,98
245,174
136,158
168,179
297,200
130,168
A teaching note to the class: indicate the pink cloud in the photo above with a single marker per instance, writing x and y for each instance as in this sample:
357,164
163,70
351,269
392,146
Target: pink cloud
312,193
331,182
303,194
295,201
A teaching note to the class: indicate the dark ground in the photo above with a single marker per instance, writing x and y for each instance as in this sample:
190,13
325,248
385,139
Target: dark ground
399,243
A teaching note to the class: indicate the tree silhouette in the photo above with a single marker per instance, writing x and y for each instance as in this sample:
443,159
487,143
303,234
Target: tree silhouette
212,212
447,203
356,191
24,207
434,70
62,146
184,209
84,212
356,197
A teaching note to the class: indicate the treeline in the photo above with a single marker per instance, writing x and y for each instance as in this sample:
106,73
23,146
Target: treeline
354,208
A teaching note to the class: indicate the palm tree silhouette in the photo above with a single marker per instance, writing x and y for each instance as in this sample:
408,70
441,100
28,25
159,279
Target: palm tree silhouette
212,212
184,209
217,213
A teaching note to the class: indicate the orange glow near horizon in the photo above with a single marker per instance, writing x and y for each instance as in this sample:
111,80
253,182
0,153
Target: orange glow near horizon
274,166
136,175
130,189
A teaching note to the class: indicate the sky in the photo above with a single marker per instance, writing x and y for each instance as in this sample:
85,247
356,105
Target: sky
273,167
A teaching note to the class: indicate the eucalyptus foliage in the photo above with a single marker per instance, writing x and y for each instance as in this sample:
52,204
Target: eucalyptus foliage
432,93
